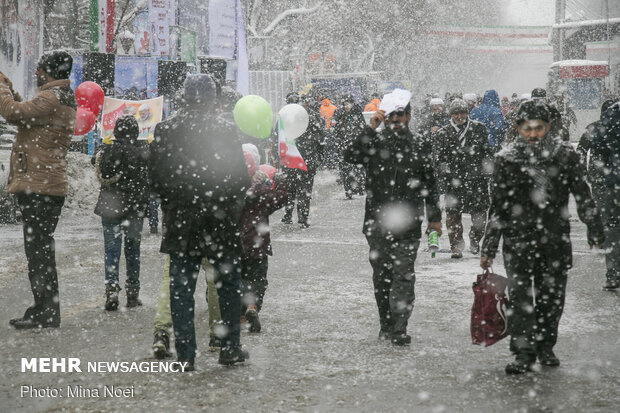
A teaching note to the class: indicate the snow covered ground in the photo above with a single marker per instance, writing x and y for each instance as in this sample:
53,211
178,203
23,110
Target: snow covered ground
319,349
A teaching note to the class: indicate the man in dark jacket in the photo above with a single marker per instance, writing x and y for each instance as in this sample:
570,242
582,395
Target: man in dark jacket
198,170
349,124
465,166
490,114
310,145
38,176
606,151
399,182
529,207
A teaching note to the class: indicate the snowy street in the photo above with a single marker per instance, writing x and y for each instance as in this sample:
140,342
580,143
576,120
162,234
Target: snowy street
318,350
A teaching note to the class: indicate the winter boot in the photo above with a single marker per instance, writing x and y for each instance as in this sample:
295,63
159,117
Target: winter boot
153,229
132,298
548,358
522,364
161,345
232,355
189,366
401,339
251,316
214,344
611,285
111,298
288,217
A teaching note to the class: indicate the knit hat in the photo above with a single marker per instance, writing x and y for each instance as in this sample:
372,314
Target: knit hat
532,110
539,93
436,101
126,128
199,88
57,64
458,106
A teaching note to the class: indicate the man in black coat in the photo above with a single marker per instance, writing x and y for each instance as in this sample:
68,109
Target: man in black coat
198,170
311,146
529,207
399,183
464,160
606,151
349,124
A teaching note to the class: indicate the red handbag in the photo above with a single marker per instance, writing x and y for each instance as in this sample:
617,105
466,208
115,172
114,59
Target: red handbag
488,314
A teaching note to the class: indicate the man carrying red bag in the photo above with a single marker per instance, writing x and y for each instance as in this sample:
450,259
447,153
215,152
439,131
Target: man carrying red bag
533,178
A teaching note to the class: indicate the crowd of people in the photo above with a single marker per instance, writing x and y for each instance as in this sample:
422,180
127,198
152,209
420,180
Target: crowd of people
508,164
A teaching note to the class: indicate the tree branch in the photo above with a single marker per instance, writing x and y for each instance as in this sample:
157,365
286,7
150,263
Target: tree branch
287,13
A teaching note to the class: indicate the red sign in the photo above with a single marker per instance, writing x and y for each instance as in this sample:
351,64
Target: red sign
589,71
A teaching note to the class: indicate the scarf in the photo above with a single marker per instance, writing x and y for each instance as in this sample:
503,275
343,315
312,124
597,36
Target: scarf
461,130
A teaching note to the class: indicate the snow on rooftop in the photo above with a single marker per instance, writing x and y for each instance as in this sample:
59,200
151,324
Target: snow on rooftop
576,62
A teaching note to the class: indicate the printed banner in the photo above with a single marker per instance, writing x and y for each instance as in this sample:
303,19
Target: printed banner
148,113
159,27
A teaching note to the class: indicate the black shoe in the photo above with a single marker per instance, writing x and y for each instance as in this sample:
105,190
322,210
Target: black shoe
132,298
29,323
401,339
287,220
384,335
214,344
457,255
611,285
548,358
304,225
521,365
189,366
161,345
111,298
251,316
232,355
349,195
153,229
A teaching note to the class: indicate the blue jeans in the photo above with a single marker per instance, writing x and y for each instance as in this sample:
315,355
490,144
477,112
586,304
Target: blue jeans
183,275
113,231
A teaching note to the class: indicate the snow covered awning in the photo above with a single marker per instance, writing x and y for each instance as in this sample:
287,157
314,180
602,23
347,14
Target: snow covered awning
576,69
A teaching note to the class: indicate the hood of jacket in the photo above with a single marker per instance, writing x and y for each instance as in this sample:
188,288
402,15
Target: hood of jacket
491,98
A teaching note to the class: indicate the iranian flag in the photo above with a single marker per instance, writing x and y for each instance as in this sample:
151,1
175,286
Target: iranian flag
289,154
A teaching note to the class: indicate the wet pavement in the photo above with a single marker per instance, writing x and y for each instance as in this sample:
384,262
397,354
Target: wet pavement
318,350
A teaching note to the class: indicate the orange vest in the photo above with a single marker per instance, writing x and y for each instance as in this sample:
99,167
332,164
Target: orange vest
327,111
373,106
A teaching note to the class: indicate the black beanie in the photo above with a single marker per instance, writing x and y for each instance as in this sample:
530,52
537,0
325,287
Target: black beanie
126,128
532,110
57,64
539,93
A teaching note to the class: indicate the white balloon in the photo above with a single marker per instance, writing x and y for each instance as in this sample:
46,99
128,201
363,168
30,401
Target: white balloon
294,120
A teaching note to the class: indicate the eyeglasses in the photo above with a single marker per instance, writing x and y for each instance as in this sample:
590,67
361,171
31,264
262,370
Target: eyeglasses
397,113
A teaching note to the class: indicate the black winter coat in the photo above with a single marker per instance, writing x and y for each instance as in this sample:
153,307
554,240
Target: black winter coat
399,182
348,126
529,203
122,170
198,170
465,170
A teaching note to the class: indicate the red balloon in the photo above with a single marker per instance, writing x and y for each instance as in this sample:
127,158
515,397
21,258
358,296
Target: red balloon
84,121
269,170
89,95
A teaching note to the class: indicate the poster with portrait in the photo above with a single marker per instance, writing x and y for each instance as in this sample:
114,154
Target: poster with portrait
148,113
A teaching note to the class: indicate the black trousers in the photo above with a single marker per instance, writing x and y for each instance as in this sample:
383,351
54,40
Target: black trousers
254,278
40,214
536,291
393,276
300,185
352,177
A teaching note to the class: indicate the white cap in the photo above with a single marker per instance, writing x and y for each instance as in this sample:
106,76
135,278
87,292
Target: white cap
470,97
436,101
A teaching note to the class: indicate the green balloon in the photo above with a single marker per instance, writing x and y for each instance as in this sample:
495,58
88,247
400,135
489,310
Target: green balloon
253,115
